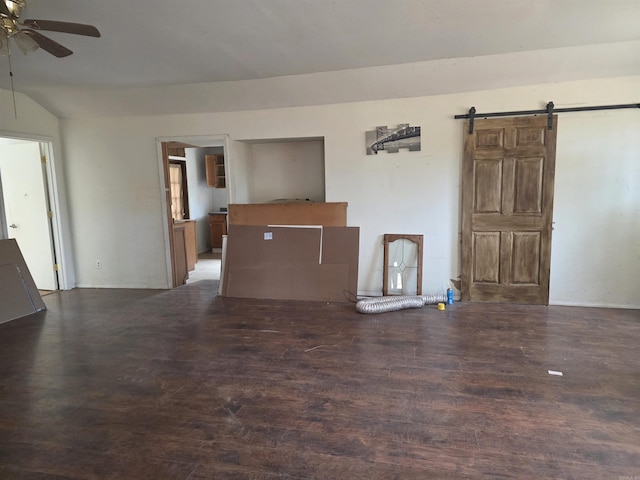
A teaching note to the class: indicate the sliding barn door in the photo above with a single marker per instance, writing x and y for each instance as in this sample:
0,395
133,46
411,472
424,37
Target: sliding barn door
507,207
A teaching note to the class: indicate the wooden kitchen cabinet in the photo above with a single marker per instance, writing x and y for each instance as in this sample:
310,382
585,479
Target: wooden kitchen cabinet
192,244
190,241
180,272
214,169
176,151
217,228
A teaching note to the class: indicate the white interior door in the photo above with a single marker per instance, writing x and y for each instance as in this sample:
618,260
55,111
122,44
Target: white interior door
25,209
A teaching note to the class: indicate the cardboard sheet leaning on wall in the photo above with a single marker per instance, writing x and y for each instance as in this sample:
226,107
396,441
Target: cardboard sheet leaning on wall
291,263
19,295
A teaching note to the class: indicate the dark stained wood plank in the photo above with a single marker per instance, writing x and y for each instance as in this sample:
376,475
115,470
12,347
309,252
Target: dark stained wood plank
180,384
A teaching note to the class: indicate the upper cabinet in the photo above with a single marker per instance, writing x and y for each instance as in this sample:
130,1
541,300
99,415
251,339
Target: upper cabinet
176,151
214,165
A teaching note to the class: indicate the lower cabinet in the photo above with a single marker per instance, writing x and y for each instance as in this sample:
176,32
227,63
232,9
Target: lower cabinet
191,242
180,272
217,228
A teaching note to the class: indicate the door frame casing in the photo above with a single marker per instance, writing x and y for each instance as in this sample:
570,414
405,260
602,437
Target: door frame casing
197,141
3,218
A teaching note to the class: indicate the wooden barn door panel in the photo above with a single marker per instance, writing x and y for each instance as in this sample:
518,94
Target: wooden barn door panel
507,209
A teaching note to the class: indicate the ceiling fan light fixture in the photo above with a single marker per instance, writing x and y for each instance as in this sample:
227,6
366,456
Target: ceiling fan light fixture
25,43
15,7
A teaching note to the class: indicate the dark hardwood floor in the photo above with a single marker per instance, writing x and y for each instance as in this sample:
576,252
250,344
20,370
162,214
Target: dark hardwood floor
126,384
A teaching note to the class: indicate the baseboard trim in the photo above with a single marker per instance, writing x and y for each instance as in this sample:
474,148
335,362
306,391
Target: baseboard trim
134,286
594,305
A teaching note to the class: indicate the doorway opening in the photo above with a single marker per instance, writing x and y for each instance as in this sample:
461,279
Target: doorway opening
28,208
194,204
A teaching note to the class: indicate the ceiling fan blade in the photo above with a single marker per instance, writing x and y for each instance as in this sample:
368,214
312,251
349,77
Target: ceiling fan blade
4,10
51,46
65,27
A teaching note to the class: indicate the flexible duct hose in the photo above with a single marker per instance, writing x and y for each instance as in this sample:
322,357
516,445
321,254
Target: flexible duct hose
397,302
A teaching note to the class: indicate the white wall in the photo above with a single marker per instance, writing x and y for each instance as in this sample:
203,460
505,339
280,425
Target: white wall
286,170
408,192
596,239
115,193
35,123
239,179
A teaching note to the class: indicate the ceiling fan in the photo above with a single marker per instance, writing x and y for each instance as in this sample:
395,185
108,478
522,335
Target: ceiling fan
26,33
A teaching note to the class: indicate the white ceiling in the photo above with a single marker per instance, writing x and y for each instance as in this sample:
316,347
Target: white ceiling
163,43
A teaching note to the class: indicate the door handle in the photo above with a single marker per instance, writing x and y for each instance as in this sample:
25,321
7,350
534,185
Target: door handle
13,225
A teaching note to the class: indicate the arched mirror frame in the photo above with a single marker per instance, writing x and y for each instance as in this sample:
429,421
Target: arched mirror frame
390,238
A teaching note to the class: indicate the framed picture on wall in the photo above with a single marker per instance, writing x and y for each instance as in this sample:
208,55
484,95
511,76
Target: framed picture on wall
391,140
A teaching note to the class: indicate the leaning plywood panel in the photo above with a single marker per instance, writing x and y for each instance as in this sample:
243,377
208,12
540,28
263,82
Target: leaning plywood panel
330,214
255,246
291,262
308,282
341,246
10,255
15,301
